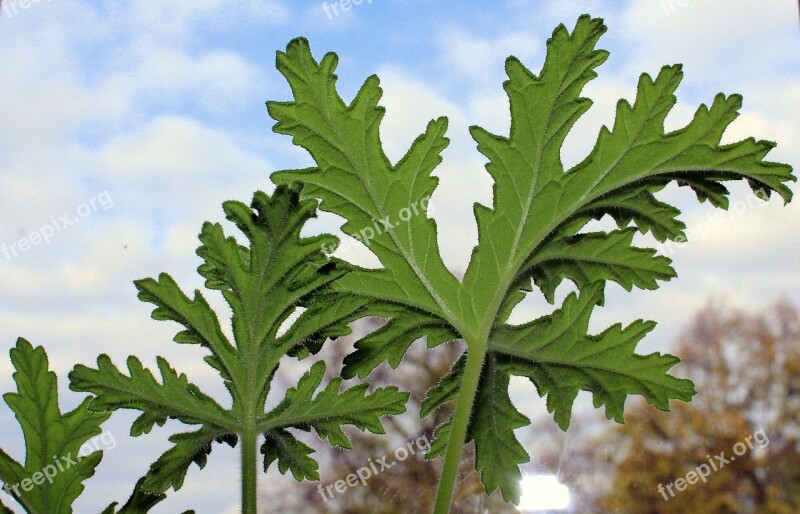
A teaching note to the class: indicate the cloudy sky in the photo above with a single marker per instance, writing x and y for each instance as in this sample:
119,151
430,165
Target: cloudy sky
136,119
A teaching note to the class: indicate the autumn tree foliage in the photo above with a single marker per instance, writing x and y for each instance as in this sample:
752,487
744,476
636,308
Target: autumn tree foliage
747,371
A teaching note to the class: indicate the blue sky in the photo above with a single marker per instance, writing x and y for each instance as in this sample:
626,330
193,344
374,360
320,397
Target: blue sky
145,115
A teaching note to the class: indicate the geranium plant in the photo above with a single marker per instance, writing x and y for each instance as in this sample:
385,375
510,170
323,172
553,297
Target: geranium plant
287,297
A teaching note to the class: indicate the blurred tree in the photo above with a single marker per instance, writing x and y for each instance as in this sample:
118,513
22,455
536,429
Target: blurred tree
410,485
747,372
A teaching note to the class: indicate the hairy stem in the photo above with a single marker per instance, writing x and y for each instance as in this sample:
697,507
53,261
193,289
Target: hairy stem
249,478
458,432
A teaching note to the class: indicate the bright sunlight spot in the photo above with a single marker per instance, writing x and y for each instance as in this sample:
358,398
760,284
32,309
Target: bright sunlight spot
543,492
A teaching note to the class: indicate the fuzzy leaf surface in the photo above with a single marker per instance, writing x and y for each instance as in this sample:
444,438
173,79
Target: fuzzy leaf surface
53,439
272,276
532,236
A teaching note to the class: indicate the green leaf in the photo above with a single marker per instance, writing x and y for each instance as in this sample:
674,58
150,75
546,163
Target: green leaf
498,454
531,234
440,437
276,274
641,207
139,501
173,397
189,447
355,180
320,321
202,325
56,461
446,390
584,258
561,359
390,342
291,454
331,408
531,205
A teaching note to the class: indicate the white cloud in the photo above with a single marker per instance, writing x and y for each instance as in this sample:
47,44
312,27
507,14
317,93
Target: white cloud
216,80
43,85
172,148
715,39
178,19
482,59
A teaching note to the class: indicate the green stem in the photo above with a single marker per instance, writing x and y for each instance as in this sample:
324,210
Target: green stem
458,432
249,478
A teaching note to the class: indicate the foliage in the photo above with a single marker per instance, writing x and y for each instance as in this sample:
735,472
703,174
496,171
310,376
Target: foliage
57,457
530,236
277,275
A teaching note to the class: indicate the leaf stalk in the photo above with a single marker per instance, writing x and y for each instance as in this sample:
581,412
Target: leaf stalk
461,419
